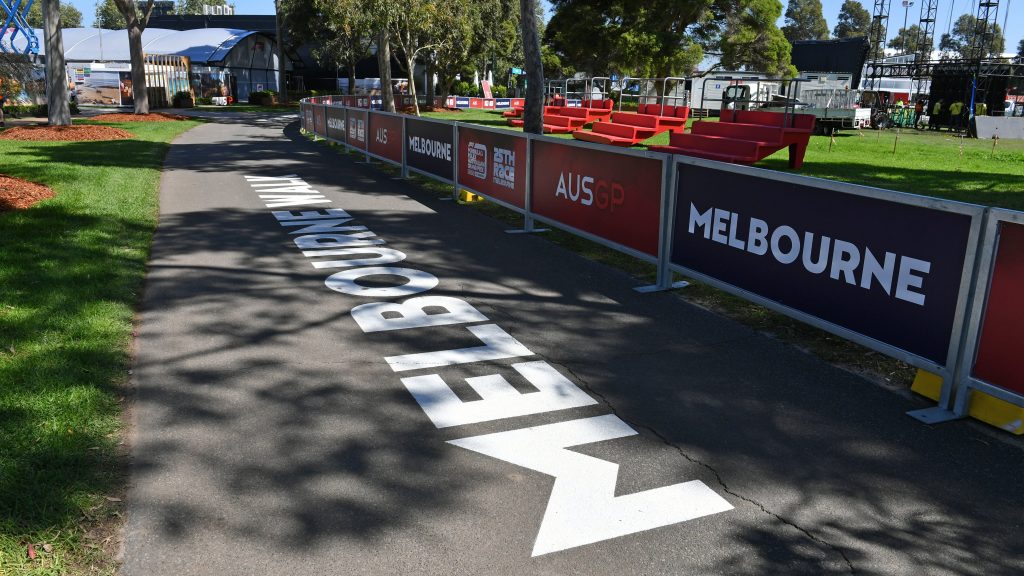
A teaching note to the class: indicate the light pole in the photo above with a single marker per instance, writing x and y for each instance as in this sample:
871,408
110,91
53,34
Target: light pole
906,9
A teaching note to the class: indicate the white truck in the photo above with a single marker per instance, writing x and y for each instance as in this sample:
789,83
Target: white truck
834,109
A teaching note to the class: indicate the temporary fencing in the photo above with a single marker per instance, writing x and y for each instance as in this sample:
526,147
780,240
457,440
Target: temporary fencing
931,282
992,355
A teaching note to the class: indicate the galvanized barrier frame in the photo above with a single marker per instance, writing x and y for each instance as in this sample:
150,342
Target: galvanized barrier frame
986,267
529,149
946,370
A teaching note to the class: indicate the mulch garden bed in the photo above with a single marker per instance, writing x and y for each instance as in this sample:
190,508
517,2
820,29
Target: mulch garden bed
154,117
18,194
75,133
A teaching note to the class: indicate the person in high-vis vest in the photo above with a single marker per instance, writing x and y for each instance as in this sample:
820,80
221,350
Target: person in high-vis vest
955,116
981,109
933,120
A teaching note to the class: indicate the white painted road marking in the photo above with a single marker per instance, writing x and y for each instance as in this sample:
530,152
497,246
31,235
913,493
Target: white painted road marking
583,508
498,398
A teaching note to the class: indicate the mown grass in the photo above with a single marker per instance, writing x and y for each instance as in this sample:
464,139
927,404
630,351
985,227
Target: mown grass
71,272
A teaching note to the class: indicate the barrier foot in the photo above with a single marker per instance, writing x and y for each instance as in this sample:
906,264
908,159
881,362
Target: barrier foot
934,415
526,231
661,288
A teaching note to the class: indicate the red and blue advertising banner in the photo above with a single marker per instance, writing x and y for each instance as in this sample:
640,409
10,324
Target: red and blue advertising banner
386,136
999,349
857,258
356,123
493,164
611,195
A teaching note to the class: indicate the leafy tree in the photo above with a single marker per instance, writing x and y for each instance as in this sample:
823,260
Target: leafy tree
854,20
109,16
906,40
1020,48
958,42
341,30
659,38
412,29
553,66
637,38
467,25
70,17
804,21
136,24
752,40
196,6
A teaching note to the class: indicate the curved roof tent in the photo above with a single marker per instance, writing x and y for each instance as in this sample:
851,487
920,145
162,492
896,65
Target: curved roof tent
203,45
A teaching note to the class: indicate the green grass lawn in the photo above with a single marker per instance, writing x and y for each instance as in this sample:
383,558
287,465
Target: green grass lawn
71,273
928,163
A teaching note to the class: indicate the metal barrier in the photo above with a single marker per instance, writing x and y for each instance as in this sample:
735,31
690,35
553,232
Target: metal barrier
891,271
800,245
992,350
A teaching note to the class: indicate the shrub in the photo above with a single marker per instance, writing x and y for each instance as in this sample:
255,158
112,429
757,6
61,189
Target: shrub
500,91
182,99
263,98
463,88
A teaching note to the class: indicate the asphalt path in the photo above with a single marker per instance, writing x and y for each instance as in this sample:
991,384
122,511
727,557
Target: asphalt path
274,432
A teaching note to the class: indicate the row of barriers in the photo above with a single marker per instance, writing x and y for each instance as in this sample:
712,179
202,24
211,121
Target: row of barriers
402,101
931,282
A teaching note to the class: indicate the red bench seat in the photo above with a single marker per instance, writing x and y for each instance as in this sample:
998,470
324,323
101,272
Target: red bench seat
514,112
610,133
671,117
713,148
772,131
553,124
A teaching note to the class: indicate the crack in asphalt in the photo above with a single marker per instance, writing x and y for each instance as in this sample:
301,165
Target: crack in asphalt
718,476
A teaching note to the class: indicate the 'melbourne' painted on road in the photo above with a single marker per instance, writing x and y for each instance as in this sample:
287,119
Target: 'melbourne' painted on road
582,508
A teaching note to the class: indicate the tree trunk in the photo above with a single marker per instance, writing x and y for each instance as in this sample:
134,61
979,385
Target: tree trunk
139,93
429,84
533,117
384,62
411,72
58,111
282,86
351,78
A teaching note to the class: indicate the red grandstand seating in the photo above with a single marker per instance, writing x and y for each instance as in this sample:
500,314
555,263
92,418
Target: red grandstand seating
672,117
647,126
553,124
714,148
745,137
598,110
609,133
514,112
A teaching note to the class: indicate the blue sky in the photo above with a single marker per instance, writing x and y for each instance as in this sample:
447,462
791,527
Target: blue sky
1014,26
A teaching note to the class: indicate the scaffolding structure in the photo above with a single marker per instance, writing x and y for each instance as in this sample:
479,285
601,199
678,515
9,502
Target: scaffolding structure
925,40
15,15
